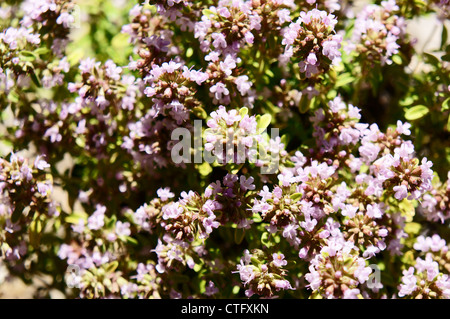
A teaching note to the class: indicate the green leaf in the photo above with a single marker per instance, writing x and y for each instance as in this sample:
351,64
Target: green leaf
407,209
446,104
397,59
269,73
13,97
41,51
316,295
444,37
80,142
207,12
284,139
257,218
131,240
17,212
35,78
295,197
408,258
27,56
446,58
265,240
305,104
416,112
204,169
344,79
75,56
407,101
189,52
239,234
263,122
243,111
35,232
74,218
413,228
110,268
199,112
111,222
431,59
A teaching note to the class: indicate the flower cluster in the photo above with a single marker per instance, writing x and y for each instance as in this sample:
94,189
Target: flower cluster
436,203
424,281
228,27
26,204
337,271
263,274
51,18
378,34
312,41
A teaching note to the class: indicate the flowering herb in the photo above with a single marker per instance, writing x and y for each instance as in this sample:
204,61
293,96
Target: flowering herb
225,149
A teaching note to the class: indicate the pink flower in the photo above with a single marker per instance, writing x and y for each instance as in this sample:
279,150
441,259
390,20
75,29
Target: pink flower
218,90
401,192
165,194
97,219
278,260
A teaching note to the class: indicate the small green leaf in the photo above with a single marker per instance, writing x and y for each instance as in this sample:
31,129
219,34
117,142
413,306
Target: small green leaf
197,267
408,258
199,112
295,197
416,112
35,232
257,218
110,268
431,59
27,56
75,218
344,79
80,142
41,51
13,97
397,59
239,234
265,240
407,101
207,12
412,228
263,122
204,169
243,111
284,139
444,36
35,78
234,168
407,209
446,104
131,240
270,73
305,104
189,52
76,56
17,212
